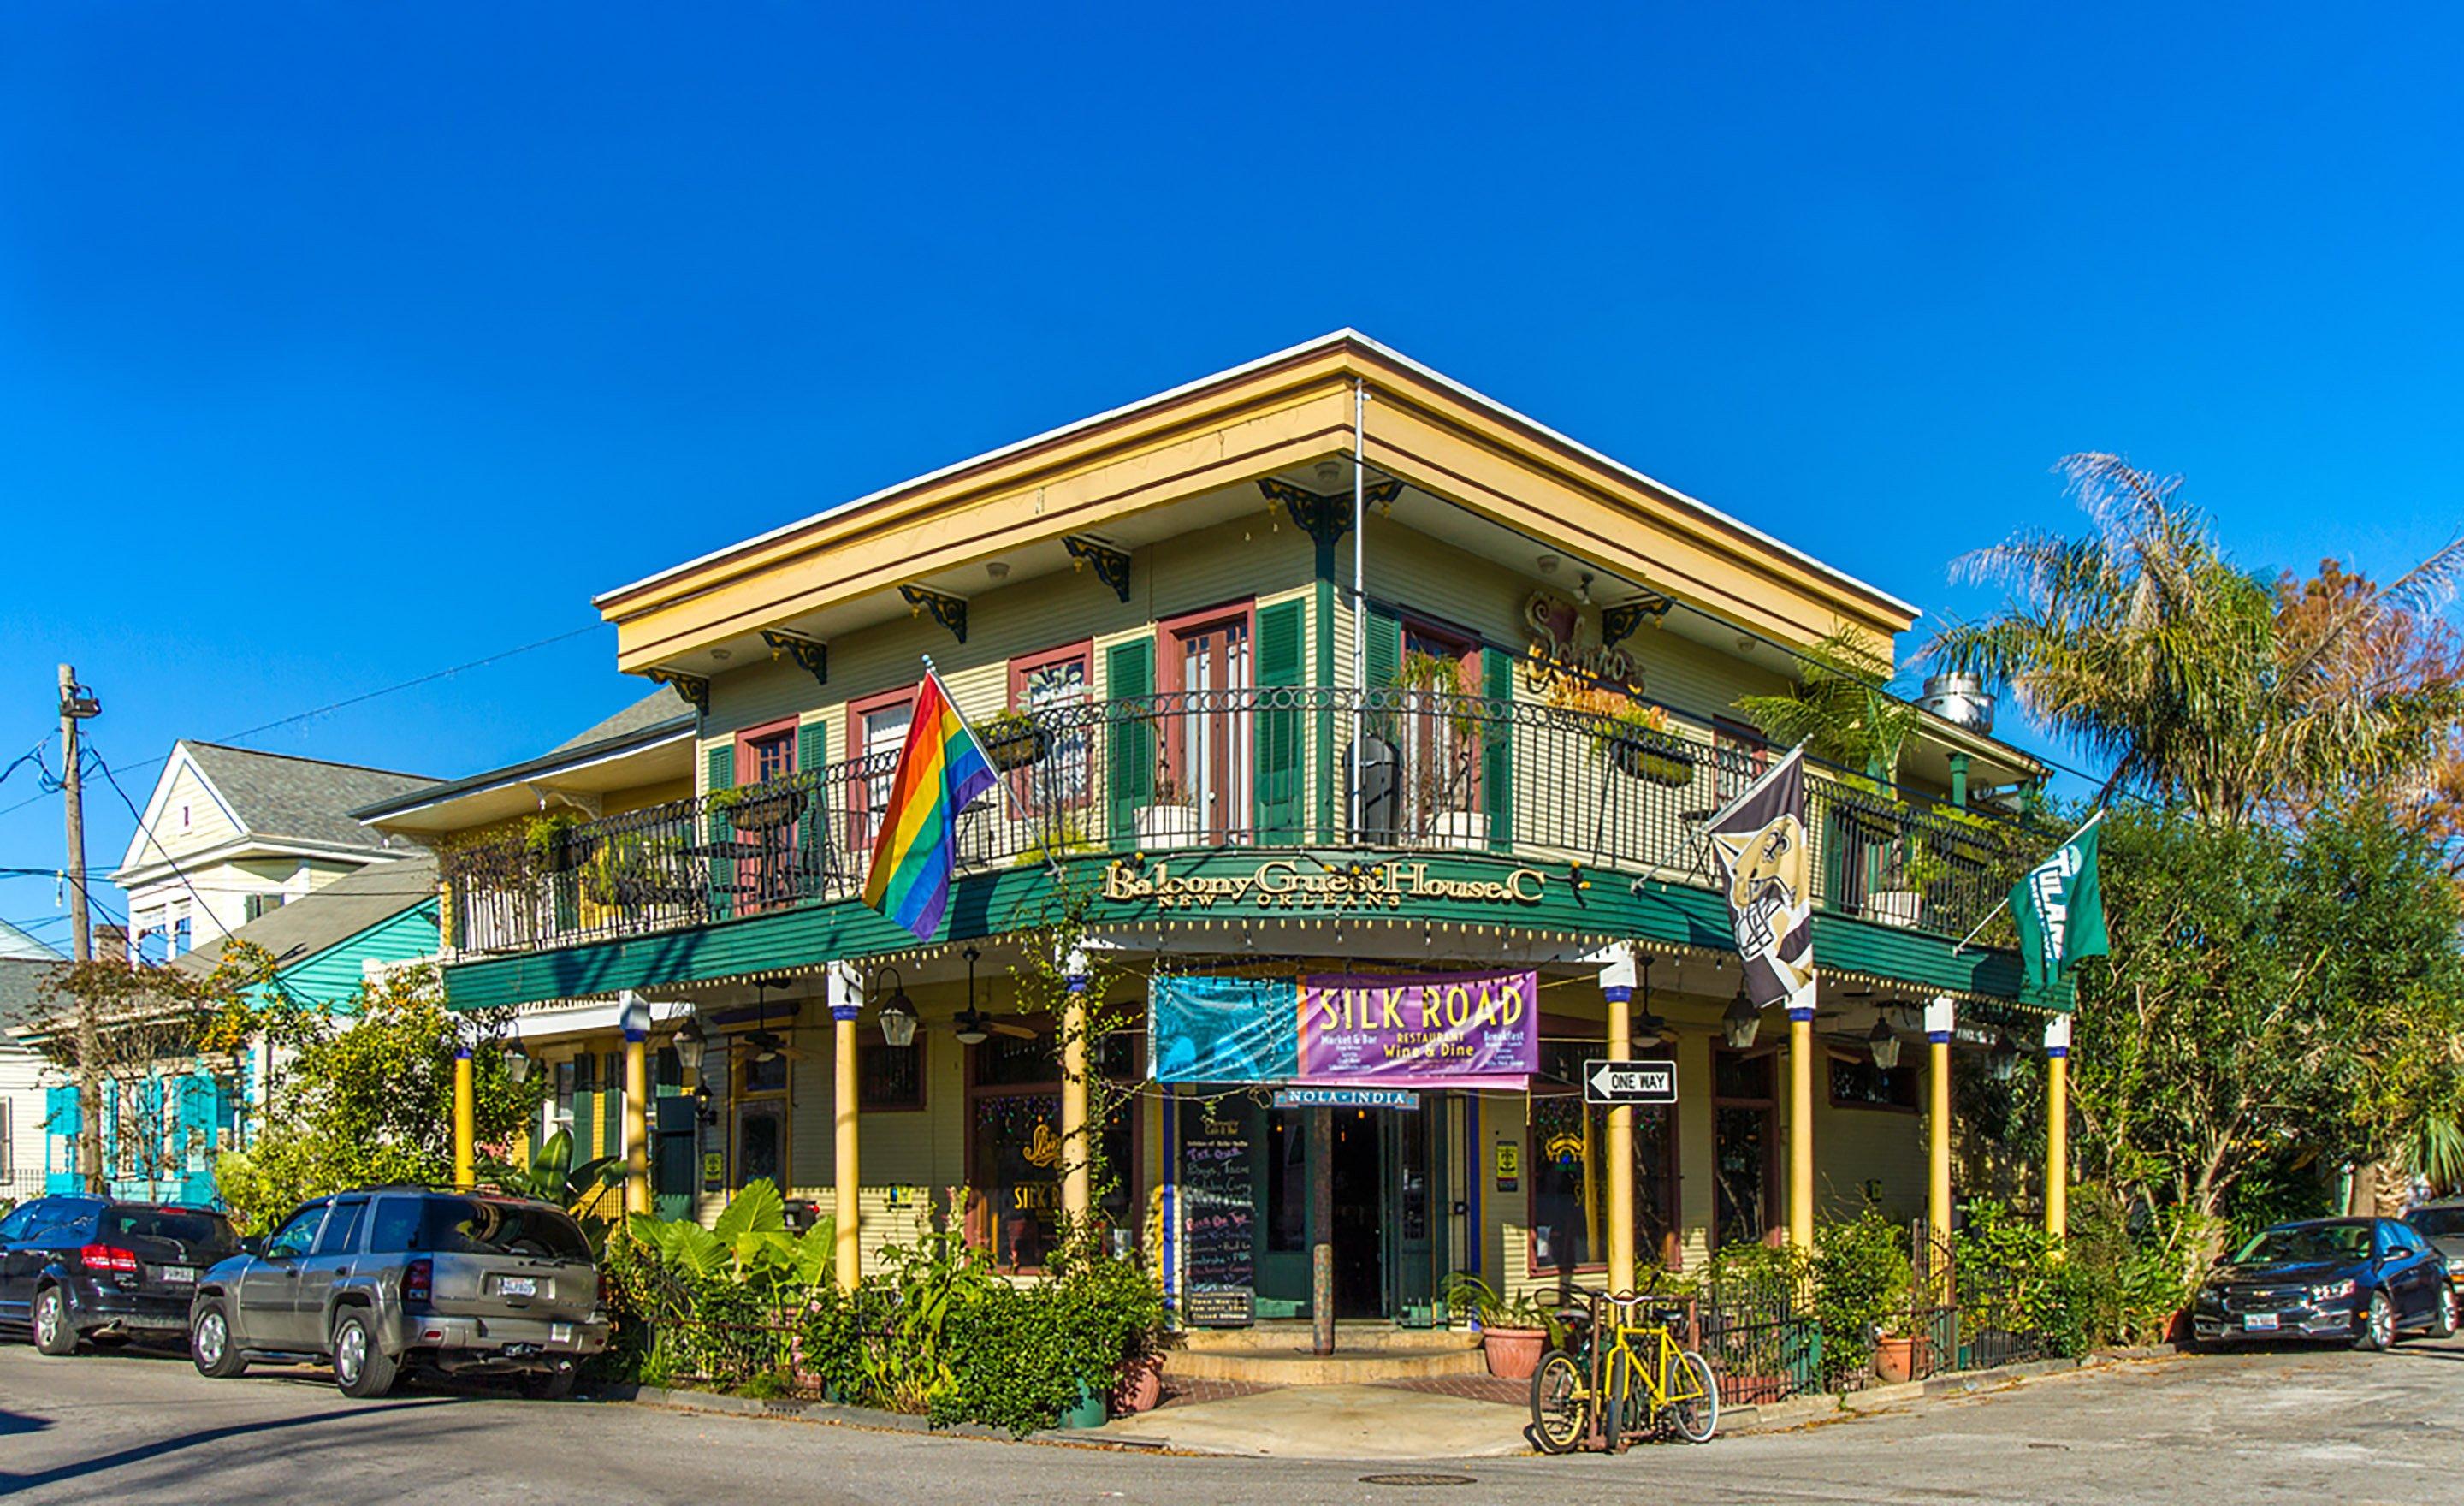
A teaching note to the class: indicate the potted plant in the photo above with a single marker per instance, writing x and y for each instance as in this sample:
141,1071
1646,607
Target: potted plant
1435,710
1631,736
1900,1347
1514,1331
554,843
1012,739
759,807
1172,820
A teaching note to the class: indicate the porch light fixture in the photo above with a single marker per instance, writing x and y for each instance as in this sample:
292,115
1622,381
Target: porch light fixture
1649,1028
517,1061
898,1014
1740,1022
691,1042
2002,1062
1885,1044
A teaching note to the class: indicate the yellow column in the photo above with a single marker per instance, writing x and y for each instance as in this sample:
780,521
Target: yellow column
1800,1128
1940,1021
465,1122
1619,1150
2057,1126
850,1252
637,1122
1077,1176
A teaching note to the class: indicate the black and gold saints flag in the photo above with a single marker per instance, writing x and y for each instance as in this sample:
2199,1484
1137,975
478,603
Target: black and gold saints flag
1766,875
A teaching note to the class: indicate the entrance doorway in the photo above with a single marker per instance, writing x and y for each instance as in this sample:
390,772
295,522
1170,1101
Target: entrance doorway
1358,1168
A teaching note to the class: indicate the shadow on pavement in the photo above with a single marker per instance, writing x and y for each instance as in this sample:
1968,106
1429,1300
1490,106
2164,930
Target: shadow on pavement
20,1422
154,1449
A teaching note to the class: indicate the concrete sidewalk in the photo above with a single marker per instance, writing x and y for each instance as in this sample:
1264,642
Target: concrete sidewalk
1331,1422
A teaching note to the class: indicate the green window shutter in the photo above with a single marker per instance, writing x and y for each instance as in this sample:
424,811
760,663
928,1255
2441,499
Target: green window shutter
812,746
813,830
1497,757
1385,647
720,764
1129,672
611,1103
1278,727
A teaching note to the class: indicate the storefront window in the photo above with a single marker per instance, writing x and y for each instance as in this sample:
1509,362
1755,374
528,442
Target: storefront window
1744,1150
1570,1177
1014,1148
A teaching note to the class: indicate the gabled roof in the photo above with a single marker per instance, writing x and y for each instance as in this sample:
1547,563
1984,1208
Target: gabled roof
277,799
330,916
657,718
16,944
660,708
24,993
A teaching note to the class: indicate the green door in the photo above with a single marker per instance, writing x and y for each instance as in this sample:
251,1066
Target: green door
1413,1215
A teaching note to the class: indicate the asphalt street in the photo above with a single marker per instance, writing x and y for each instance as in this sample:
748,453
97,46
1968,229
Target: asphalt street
2280,1425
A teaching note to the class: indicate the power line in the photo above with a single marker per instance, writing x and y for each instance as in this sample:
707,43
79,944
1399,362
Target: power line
134,814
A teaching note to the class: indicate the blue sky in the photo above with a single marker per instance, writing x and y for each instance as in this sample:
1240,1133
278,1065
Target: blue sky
340,345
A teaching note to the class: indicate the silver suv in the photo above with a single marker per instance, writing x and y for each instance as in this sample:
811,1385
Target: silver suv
383,1280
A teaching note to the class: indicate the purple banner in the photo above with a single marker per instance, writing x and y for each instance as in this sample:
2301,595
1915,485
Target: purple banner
1421,1030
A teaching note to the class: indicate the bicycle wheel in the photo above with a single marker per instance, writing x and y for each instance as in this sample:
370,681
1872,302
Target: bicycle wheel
1697,1417
1561,1402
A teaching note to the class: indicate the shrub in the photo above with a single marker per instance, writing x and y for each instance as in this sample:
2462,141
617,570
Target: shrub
1862,1277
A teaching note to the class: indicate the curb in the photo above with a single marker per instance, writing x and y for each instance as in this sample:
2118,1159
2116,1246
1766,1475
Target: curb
1822,1406
794,1409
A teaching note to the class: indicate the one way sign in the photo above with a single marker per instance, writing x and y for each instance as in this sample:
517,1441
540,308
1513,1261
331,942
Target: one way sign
1615,1082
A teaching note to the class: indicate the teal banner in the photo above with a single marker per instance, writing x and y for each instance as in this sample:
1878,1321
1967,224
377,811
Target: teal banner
1223,1030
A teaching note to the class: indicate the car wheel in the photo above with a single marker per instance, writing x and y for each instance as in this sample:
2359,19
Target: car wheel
361,1368
2378,1324
209,1345
2449,1318
552,1384
54,1332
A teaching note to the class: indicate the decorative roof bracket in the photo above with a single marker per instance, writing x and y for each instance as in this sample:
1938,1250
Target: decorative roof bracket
1618,623
811,655
1112,565
1327,516
691,687
950,611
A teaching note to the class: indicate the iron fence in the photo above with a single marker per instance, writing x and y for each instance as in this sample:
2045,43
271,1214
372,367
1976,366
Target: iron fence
1398,772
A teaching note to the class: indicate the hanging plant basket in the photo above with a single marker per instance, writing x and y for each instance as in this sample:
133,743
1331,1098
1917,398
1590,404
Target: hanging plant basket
1015,745
1652,766
766,813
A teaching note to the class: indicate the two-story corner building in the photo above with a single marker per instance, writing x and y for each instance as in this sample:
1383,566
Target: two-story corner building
1323,665
230,834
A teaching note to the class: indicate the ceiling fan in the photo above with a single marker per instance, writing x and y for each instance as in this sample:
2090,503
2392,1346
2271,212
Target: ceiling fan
973,1025
766,1044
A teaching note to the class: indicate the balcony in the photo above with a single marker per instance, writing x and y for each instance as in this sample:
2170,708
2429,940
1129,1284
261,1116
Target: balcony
1262,769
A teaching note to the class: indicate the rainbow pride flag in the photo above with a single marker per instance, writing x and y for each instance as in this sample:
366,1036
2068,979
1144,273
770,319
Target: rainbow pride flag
942,770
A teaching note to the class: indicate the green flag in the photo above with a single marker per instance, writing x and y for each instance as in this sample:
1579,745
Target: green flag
2060,910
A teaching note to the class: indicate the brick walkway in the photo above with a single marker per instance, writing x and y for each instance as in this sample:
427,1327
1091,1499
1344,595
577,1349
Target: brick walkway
1185,1391
1470,1389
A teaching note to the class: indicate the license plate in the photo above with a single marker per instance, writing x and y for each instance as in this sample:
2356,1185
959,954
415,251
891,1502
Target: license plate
180,1275
560,1333
2259,1322
516,1286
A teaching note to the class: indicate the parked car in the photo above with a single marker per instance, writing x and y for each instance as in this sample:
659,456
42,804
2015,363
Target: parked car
386,1280
2442,1224
2361,1280
78,1269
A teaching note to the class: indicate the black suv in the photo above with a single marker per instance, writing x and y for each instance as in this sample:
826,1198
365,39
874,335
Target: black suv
77,1268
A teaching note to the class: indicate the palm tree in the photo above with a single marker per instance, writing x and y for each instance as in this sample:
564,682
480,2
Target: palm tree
2141,644
1842,707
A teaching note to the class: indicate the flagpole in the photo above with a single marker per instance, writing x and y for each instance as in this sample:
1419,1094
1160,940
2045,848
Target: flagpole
2000,904
1000,778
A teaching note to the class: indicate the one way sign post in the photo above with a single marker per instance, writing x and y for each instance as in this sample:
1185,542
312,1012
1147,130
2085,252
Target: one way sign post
1620,1082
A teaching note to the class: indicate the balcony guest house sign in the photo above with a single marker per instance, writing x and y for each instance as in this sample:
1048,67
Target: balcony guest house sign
1286,884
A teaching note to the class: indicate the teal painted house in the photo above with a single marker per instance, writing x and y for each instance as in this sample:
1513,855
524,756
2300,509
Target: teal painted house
161,1132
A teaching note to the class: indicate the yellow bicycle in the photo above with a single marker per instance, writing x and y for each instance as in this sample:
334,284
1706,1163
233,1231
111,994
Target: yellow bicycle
1621,1373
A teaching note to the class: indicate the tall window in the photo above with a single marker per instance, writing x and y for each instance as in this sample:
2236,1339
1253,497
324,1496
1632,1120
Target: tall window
1438,736
876,730
1745,1154
1738,757
1053,682
761,1110
1569,1169
1014,1146
1206,744
767,828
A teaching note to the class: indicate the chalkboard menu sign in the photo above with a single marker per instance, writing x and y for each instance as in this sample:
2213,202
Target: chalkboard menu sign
1217,1215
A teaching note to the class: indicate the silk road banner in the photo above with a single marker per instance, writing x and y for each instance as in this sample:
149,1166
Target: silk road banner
1421,1030
1222,1030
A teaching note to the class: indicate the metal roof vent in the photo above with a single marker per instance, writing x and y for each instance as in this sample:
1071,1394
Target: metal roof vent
1961,698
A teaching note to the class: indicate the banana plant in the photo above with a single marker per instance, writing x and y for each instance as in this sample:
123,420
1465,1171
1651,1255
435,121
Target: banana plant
552,1177
749,1241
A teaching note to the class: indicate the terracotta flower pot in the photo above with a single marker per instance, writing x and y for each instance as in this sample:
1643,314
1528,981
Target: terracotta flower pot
1140,1385
1513,1353
1897,1358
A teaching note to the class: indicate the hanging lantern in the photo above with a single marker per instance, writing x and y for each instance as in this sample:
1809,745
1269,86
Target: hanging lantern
2002,1062
1740,1022
897,1013
1885,1044
517,1061
691,1042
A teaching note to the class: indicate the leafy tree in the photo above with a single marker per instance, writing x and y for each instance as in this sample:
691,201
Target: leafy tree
1844,707
365,1096
2145,646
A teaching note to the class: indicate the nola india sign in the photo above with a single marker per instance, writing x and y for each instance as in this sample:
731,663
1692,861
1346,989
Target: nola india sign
1479,1029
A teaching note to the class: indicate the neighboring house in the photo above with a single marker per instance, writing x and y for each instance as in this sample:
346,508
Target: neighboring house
1247,763
26,968
230,835
635,764
161,1134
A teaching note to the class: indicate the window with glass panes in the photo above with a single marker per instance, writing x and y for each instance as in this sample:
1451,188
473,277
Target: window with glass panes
1049,682
1014,1144
1569,1170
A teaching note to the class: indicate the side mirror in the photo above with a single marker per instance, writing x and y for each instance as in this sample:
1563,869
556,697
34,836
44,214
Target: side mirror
252,1245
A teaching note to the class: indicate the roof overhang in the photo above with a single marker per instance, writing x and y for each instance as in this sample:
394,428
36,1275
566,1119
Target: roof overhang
655,754
1286,410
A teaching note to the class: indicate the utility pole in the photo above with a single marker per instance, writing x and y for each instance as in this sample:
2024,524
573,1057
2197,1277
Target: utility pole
77,704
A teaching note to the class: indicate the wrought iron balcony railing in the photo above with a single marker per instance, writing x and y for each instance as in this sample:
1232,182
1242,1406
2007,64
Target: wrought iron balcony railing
1396,770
